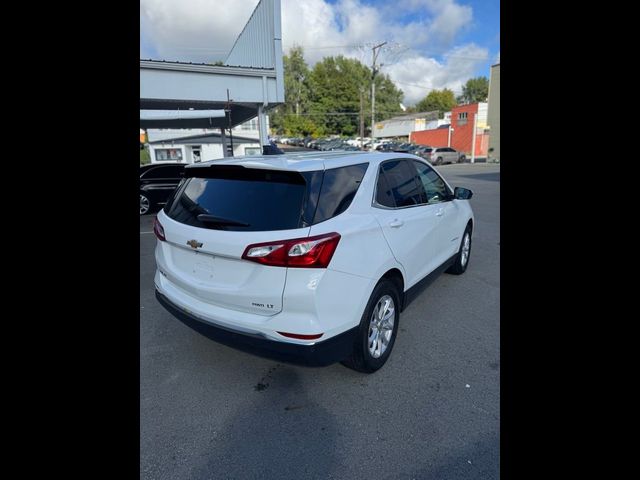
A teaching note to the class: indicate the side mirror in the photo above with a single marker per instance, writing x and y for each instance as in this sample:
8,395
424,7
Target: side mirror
460,193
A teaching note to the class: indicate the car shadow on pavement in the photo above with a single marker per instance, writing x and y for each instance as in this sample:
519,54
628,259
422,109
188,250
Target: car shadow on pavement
282,433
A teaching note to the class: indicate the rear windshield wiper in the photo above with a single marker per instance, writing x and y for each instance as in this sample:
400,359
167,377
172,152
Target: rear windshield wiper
206,218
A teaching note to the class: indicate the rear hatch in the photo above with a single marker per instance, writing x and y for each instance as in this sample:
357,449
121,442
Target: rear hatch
215,214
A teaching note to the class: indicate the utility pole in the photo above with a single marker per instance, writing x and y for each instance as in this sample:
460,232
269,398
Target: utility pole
374,71
361,118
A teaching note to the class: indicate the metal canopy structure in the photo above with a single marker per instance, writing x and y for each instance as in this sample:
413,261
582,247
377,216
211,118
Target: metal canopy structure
251,78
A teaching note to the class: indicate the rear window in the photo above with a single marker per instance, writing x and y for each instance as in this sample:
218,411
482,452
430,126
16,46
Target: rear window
243,199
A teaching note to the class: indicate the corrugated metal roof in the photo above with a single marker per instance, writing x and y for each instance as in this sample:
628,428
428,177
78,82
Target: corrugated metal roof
254,47
201,64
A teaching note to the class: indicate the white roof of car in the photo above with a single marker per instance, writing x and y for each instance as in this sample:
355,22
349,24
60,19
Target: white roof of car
303,161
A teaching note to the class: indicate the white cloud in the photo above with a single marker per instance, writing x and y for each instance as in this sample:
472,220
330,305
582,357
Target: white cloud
194,30
204,31
417,75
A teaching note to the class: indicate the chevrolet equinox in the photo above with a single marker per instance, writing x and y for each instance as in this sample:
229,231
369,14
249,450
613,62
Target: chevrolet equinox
308,258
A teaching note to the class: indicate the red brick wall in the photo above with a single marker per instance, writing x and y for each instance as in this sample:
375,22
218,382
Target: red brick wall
462,134
433,138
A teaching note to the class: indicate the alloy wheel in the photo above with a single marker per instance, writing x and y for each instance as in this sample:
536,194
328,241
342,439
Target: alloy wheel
381,326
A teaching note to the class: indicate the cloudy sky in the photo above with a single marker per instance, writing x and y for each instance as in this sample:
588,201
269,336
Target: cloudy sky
432,43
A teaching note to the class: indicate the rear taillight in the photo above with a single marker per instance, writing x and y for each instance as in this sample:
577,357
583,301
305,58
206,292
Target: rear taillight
309,252
158,230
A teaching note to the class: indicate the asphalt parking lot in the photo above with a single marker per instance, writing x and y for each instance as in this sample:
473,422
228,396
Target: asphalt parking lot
432,412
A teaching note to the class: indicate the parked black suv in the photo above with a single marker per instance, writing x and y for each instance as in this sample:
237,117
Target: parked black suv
157,183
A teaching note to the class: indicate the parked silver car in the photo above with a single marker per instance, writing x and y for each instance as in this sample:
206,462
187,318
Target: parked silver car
441,155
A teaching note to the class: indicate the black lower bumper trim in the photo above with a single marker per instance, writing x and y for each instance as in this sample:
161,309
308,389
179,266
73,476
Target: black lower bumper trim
321,354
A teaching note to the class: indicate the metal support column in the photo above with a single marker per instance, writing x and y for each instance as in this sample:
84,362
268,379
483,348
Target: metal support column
262,126
473,138
223,138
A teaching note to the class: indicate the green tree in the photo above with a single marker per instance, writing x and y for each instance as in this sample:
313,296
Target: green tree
388,98
336,86
328,96
440,100
301,125
475,90
296,88
296,73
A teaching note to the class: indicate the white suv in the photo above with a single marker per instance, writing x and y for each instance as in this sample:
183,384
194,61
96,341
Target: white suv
308,258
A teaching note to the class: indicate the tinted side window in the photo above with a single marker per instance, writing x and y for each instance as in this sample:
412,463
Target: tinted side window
435,188
339,186
384,195
163,172
402,182
148,173
172,172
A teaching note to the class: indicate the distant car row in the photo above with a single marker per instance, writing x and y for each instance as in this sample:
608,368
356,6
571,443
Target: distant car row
434,155
323,144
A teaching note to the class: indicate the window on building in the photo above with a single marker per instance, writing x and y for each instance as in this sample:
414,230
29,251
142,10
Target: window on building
196,151
252,150
168,154
462,118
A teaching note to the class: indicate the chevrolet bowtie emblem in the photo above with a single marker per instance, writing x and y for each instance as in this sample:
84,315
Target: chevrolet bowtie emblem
194,244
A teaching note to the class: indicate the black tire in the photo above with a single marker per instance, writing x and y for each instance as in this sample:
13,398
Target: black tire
143,197
462,159
361,358
459,266
439,161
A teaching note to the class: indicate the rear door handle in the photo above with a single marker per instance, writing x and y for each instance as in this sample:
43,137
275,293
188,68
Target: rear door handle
396,223
440,212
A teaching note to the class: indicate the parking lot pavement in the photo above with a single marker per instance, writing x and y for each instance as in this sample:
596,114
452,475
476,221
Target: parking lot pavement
208,411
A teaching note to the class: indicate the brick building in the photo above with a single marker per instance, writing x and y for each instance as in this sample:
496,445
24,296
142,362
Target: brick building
461,134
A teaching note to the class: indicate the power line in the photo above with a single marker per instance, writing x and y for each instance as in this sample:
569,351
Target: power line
306,47
329,47
425,87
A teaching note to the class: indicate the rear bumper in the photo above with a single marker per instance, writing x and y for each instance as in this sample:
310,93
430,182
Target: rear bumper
320,354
